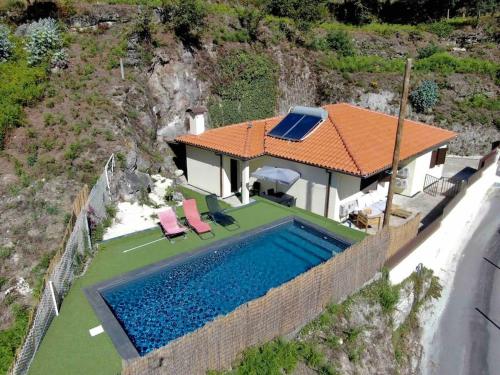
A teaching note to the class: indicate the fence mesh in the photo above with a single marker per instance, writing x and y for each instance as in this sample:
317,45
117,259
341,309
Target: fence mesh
67,264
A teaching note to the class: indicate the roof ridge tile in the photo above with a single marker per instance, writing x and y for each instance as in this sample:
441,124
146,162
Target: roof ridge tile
349,152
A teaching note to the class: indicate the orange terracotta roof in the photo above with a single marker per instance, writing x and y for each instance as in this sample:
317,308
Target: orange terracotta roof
352,140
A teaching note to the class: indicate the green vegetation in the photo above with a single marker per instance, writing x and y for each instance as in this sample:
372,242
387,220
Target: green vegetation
361,63
5,43
384,293
43,39
481,101
20,85
241,79
38,273
428,51
425,96
338,41
399,336
332,331
186,17
5,252
11,338
442,29
440,63
444,63
300,10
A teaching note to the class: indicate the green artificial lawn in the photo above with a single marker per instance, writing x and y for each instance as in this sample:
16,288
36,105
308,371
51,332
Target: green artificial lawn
68,347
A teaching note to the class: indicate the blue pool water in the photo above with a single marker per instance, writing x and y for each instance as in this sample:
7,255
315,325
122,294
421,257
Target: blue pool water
180,298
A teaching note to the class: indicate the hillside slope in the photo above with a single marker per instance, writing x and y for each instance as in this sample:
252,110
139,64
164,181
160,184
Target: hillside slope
241,65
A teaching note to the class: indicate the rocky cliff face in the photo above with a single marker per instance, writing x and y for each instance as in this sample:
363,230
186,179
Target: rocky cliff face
174,86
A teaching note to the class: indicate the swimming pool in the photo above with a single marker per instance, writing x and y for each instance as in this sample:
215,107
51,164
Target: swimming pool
162,302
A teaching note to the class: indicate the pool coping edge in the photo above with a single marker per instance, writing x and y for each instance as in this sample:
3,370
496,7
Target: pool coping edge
110,323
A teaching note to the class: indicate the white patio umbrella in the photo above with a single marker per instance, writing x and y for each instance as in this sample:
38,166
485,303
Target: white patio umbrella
277,175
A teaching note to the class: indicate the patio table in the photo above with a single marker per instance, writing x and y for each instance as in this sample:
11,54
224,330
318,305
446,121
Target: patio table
281,198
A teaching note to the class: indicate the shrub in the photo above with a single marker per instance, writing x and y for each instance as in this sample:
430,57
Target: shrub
425,96
74,150
481,101
12,337
187,17
442,29
275,357
250,20
5,43
299,10
43,38
59,59
340,42
428,51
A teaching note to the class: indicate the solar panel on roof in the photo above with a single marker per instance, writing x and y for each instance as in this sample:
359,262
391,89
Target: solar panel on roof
295,126
303,128
284,126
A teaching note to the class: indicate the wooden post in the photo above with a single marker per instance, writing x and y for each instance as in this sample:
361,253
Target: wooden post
122,70
397,143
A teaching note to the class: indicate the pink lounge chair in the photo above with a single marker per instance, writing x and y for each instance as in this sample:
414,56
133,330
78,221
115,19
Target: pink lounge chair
193,217
170,224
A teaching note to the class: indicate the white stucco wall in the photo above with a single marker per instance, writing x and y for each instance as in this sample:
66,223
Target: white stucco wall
309,190
418,168
343,188
203,169
226,175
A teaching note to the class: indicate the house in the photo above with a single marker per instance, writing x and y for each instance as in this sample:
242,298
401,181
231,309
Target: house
343,154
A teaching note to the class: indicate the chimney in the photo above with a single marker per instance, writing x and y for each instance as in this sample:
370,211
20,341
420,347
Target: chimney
197,119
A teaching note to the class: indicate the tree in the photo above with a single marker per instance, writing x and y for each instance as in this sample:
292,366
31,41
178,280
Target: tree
187,18
250,20
299,10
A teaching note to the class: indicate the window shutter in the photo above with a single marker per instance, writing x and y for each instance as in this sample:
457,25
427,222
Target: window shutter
433,158
441,156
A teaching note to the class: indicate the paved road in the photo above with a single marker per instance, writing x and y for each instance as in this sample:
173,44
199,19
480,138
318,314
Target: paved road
468,338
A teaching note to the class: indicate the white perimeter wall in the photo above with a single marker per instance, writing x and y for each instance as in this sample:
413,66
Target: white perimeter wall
438,250
203,169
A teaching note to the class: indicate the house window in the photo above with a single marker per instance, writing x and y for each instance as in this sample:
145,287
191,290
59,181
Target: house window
438,157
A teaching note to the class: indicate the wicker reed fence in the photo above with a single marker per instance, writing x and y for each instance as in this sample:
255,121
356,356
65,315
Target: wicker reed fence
283,310
65,266
402,234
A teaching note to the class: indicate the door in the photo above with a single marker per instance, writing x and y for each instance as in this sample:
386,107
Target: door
234,175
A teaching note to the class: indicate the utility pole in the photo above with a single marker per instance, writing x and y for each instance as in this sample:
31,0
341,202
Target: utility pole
397,143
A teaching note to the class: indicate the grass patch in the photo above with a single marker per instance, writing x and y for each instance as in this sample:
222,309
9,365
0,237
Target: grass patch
12,338
20,85
38,273
442,63
371,64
